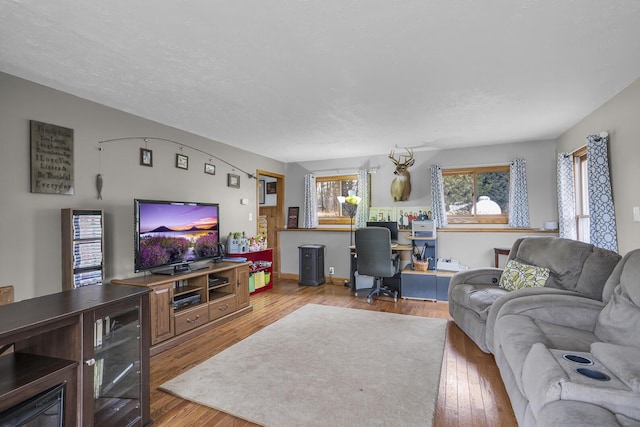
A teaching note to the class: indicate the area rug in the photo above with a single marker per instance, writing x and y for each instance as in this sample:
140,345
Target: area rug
326,366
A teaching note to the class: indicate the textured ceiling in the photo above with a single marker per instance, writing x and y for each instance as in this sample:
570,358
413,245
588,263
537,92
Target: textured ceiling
298,80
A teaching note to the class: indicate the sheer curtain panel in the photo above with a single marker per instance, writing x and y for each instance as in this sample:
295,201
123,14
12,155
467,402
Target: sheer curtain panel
310,208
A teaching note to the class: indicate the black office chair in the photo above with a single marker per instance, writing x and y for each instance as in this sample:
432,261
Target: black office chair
373,249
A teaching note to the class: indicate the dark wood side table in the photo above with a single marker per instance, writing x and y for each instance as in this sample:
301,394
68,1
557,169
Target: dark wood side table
500,251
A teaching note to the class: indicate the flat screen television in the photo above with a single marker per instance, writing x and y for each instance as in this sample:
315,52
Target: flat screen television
392,226
170,236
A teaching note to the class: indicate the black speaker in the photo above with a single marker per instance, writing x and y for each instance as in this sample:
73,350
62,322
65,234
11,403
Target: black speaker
311,265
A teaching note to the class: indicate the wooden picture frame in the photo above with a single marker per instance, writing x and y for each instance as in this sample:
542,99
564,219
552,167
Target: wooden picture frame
261,191
209,169
271,187
233,180
146,157
292,217
182,161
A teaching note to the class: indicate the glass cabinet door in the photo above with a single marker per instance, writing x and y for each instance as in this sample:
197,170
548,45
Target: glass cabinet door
116,368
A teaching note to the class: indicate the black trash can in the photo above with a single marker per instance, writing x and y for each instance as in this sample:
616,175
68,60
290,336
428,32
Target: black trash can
311,263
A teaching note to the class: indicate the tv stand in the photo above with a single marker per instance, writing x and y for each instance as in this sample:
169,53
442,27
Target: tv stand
217,294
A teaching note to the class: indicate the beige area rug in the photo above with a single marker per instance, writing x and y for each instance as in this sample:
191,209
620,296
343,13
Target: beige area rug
326,366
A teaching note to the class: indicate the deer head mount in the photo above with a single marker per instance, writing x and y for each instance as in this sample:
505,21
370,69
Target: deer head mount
401,184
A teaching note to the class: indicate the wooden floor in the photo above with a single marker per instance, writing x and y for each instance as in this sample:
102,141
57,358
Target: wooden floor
471,391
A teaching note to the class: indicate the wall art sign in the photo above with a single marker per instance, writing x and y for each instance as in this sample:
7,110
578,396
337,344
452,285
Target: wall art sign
51,159
292,217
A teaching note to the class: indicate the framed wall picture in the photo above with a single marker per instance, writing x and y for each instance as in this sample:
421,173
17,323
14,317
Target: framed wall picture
146,157
233,181
271,187
182,161
292,217
209,169
261,191
51,159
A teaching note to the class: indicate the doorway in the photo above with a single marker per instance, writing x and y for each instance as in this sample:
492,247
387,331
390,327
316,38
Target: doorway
270,197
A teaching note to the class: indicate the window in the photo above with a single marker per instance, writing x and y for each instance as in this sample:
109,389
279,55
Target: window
328,188
477,195
580,163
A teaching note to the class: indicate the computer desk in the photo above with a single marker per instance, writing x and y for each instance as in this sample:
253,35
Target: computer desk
405,255
429,285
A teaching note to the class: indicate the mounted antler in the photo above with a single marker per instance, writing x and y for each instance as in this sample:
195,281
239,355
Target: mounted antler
401,184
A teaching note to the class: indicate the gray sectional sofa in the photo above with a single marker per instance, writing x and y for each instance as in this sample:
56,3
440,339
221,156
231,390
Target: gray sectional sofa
568,355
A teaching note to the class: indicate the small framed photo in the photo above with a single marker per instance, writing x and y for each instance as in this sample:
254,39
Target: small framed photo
292,217
209,169
261,192
182,161
233,181
271,187
146,157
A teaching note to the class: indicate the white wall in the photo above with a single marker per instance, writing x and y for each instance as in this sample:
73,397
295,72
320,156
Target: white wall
472,249
619,116
30,256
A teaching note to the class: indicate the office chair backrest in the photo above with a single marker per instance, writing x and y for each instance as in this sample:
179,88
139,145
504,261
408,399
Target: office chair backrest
373,247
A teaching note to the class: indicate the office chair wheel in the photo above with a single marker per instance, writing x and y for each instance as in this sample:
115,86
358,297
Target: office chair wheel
395,296
369,300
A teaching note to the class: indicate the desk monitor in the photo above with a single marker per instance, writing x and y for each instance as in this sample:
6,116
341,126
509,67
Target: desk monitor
391,225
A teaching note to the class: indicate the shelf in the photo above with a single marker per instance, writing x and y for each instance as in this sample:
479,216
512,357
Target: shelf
183,290
218,286
117,412
19,370
213,295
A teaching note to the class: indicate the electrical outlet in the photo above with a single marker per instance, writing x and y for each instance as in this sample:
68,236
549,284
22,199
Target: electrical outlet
331,270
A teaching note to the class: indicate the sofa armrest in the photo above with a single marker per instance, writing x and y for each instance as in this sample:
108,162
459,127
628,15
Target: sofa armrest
496,307
565,310
477,276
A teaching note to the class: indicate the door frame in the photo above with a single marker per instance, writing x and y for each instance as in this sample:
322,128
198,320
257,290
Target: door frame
279,220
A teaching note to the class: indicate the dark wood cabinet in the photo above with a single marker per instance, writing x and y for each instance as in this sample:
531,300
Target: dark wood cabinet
94,340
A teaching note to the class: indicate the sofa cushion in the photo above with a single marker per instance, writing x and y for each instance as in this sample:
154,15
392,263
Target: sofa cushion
517,276
595,272
564,258
621,360
619,321
566,337
477,298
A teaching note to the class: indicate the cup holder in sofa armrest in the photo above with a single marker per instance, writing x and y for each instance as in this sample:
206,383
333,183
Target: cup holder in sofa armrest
593,374
577,359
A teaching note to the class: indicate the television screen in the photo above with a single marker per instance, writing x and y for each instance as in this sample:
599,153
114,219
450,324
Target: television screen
171,234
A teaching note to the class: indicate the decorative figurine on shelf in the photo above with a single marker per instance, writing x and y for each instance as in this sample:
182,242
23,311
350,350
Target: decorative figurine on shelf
351,208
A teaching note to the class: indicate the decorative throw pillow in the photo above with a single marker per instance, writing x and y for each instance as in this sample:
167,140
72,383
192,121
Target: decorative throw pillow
517,275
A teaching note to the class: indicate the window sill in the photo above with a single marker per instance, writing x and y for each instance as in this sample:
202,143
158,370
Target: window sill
494,230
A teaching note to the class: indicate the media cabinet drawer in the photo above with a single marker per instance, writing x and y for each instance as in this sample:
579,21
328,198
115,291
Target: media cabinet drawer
222,306
191,318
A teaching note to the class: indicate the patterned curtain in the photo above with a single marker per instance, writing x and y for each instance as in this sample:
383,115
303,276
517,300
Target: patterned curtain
310,209
566,197
362,214
437,197
602,217
518,199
